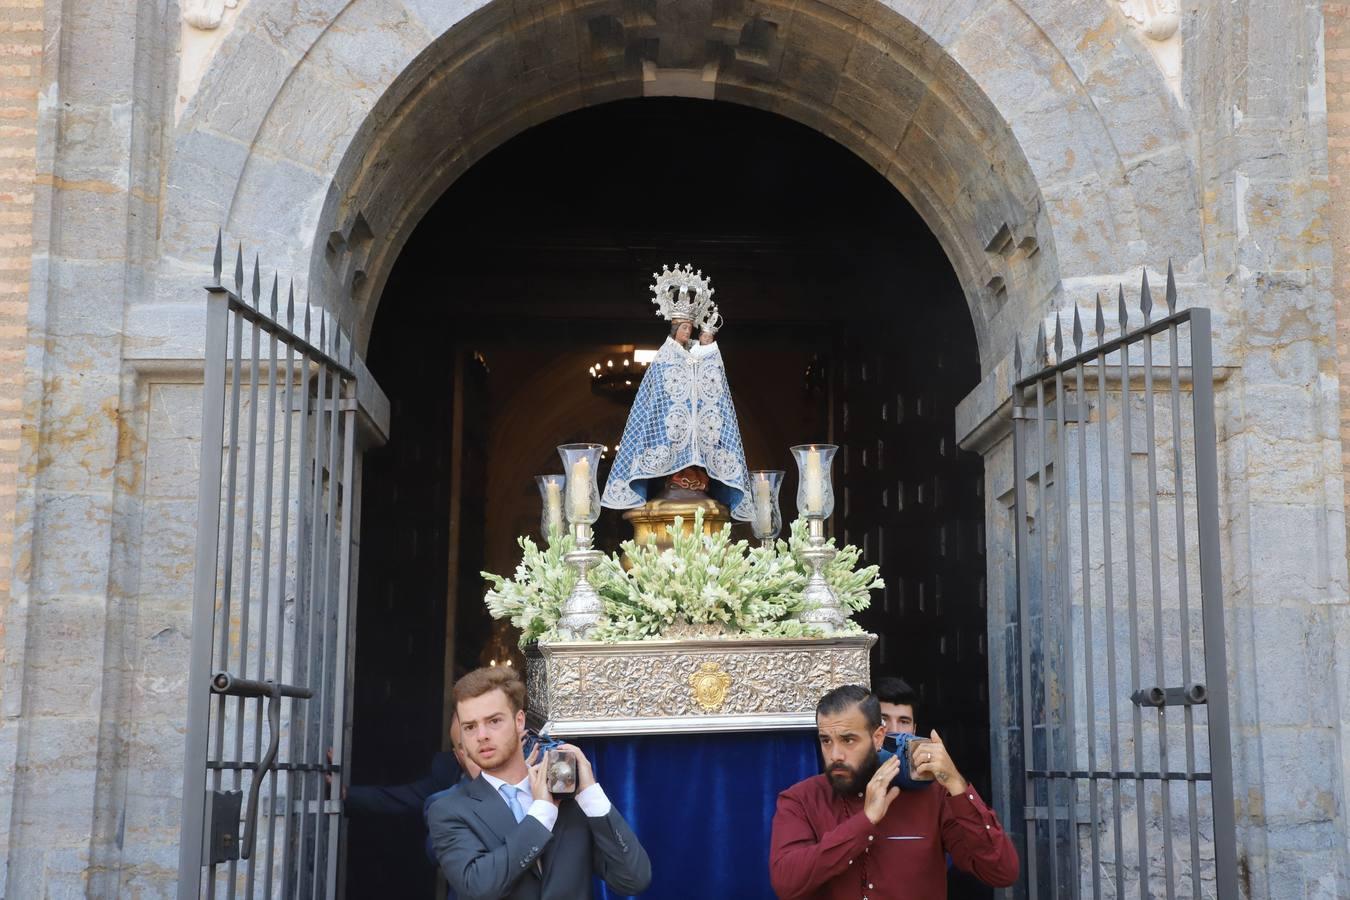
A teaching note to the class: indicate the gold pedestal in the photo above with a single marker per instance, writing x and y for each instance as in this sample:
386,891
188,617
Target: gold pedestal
650,520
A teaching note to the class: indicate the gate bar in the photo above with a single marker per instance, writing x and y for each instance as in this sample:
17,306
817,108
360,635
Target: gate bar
1183,601
1132,592
266,569
1109,590
1020,540
1068,727
1043,526
1086,572
1165,793
282,566
1211,604
203,593
341,632
245,594
295,784
323,823
227,564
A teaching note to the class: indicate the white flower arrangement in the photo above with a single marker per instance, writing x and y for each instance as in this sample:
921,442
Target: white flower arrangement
705,584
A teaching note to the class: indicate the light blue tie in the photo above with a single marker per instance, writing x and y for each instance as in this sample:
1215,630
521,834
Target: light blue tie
508,792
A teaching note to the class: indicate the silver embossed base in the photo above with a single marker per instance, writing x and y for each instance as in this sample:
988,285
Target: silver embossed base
583,688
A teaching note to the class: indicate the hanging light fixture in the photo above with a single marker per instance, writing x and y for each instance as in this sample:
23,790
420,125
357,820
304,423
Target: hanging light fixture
619,376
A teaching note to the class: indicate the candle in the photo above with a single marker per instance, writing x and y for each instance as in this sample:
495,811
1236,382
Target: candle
815,484
554,505
579,491
763,508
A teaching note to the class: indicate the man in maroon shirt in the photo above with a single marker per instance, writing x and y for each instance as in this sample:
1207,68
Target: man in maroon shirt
850,834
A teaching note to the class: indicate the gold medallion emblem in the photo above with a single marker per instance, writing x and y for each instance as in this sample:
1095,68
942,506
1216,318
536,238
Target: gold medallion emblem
710,684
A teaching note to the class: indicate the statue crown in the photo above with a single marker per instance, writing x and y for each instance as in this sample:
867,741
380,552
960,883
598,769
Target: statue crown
681,292
711,320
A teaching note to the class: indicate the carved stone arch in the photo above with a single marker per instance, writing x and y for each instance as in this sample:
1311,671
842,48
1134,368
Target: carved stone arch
1038,141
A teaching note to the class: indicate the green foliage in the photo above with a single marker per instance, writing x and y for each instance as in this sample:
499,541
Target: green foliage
707,582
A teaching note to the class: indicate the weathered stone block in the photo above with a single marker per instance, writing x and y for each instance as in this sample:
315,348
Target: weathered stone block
231,106
1288,551
367,46
65,657
438,16
73,556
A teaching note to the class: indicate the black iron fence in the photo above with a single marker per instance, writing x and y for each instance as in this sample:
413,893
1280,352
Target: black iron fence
1124,733
268,683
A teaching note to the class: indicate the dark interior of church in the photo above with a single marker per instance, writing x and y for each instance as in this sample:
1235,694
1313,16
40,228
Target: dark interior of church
844,323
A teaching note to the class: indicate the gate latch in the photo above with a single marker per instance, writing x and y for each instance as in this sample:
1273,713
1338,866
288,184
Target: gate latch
1190,695
223,843
222,826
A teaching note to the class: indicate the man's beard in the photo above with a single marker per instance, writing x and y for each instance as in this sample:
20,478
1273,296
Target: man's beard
856,779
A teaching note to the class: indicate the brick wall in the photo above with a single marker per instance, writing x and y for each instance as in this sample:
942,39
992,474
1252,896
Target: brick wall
20,70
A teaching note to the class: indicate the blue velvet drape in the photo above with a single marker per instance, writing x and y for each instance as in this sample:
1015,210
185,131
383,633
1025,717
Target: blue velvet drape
702,805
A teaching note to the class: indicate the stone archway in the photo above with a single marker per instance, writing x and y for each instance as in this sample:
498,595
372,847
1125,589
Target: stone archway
1060,158
1043,149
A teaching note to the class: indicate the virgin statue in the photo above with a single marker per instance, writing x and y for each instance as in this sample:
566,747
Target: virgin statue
682,434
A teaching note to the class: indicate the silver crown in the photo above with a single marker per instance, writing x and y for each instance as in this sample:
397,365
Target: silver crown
711,320
681,293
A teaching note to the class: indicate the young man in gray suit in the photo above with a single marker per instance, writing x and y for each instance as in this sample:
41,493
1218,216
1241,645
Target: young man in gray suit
503,835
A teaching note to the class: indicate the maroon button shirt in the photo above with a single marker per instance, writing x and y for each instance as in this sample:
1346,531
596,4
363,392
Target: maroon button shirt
824,848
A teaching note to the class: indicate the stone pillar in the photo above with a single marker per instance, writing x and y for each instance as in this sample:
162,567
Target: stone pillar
66,694
1255,85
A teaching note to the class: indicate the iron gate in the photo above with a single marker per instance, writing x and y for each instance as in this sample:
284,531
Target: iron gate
1124,709
267,726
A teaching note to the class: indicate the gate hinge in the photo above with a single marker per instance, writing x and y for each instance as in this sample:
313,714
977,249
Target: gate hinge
1190,695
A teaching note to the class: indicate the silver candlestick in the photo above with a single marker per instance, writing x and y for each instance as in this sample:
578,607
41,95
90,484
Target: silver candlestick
822,607
582,611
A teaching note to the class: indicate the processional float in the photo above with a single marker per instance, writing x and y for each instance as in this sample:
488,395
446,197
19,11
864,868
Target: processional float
686,630
688,665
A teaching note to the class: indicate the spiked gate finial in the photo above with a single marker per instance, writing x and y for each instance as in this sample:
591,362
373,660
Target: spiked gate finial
1041,357
1101,322
1145,297
257,282
1059,341
1077,331
239,272
1017,357
1122,313
217,260
290,307
306,317
1171,289
273,302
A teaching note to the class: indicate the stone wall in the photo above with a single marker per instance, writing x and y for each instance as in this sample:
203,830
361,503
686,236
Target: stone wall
20,65
1337,46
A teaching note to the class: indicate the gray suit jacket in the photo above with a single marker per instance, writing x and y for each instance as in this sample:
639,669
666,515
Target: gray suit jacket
487,855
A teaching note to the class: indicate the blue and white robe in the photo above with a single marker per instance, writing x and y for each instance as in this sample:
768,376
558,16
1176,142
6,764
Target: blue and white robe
682,416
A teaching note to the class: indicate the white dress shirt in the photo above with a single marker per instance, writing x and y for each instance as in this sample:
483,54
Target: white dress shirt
592,801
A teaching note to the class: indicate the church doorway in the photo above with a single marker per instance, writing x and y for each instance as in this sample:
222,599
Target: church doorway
845,322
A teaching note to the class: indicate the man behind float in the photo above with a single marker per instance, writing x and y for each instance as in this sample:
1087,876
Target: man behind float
850,833
503,835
